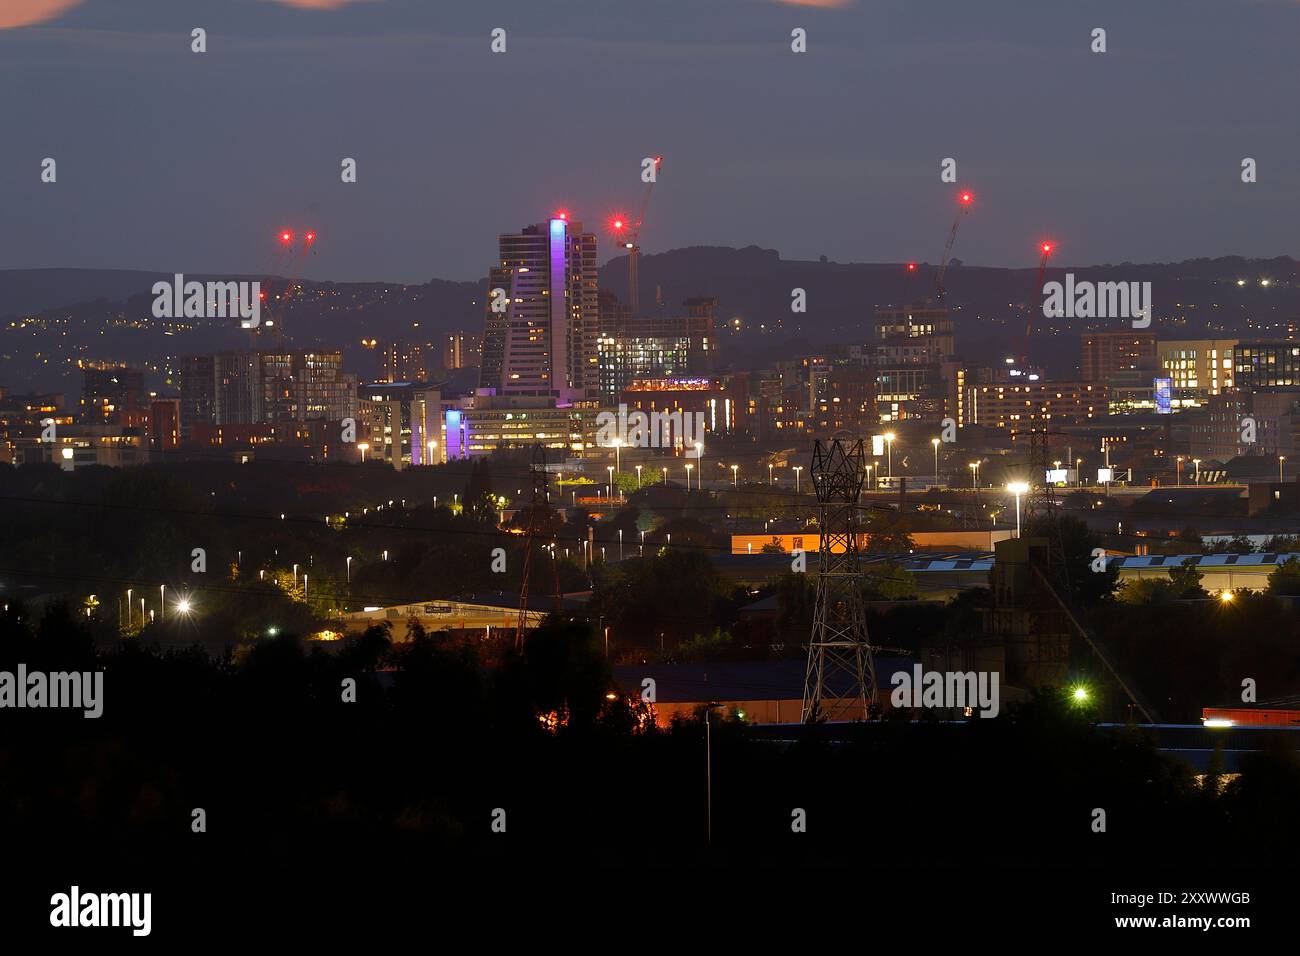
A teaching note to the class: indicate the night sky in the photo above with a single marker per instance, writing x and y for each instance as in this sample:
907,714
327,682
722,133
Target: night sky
172,160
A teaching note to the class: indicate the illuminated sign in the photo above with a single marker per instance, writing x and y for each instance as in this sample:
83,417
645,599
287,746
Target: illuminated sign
1163,391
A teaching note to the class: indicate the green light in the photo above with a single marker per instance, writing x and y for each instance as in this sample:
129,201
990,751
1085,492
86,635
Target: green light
1080,694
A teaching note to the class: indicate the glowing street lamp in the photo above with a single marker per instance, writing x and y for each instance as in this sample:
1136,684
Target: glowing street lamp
304,577
935,443
975,477
1178,472
183,605
735,481
162,601
797,469
689,466
889,454
432,445
1197,463
638,477
1280,459
363,448
1018,488
769,474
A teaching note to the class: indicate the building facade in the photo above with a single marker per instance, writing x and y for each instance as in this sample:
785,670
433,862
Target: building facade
542,317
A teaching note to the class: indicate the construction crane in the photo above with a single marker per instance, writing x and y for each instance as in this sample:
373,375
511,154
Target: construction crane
1046,249
290,259
629,230
964,201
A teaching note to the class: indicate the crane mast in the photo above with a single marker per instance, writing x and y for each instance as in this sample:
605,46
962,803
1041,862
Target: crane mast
633,237
964,201
1046,249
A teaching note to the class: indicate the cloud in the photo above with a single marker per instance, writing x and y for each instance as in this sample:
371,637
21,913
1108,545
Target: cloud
318,4
828,4
23,13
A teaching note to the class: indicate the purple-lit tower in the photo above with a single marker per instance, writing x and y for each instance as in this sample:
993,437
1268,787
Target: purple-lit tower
540,339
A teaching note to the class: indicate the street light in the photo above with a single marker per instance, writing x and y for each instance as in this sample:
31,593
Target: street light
162,602
128,607
975,477
1018,488
769,474
432,445
1178,472
869,467
1280,459
610,469
735,483
363,448
638,477
935,443
1197,463
797,469
689,466
665,471
1078,473
349,570
889,454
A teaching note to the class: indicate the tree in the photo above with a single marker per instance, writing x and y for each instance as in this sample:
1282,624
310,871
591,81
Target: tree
1185,581
1078,543
890,582
1284,580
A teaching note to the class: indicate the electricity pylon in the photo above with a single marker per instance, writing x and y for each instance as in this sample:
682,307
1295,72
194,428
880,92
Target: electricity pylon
840,682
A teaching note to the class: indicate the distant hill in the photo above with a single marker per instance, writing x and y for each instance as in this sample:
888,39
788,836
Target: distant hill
105,314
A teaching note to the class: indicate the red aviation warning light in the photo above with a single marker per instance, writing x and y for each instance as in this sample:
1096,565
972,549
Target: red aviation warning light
966,198
911,267
1047,248
311,237
286,236
562,215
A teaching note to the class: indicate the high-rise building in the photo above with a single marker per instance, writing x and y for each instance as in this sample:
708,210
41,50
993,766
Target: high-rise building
242,388
110,389
1119,357
198,389
1198,369
403,423
462,350
1266,364
654,346
541,328
909,355
404,362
